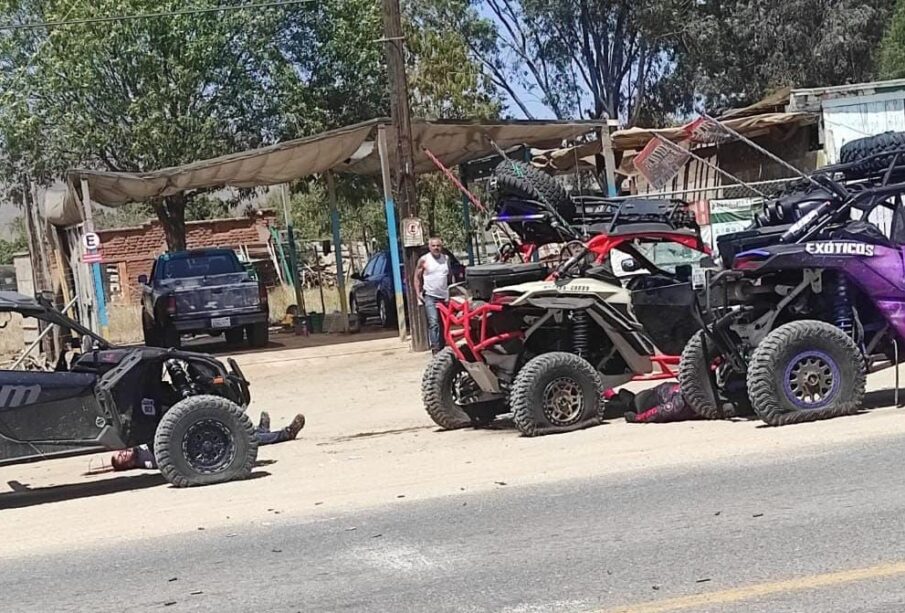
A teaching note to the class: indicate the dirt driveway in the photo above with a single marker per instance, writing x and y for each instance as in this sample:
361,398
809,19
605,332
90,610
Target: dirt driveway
369,443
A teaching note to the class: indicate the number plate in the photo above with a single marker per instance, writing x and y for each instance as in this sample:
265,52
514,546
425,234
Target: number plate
220,322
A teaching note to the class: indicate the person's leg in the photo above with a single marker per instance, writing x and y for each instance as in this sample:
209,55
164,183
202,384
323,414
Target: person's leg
433,322
265,437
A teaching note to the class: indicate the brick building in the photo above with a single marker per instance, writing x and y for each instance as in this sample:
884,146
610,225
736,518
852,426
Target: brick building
130,252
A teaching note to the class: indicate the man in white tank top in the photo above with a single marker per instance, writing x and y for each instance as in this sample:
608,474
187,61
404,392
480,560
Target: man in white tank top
432,288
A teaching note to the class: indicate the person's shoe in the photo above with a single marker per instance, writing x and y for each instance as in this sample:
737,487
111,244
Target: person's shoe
631,417
295,426
264,423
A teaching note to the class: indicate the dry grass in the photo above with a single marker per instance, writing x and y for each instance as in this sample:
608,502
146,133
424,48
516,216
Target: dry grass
124,323
283,296
12,339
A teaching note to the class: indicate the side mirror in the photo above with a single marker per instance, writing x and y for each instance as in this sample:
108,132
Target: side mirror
87,344
356,276
629,265
143,279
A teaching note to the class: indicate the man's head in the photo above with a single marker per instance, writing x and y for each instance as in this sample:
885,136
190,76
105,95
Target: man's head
124,460
435,245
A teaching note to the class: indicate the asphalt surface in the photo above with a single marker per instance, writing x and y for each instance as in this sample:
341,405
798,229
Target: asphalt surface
818,532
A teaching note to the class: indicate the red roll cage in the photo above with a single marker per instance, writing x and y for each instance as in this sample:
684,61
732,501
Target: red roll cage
458,316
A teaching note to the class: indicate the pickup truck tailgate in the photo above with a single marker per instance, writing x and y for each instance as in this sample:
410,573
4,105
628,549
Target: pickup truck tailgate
212,295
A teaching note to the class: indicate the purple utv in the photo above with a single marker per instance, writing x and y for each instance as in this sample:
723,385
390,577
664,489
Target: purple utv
810,299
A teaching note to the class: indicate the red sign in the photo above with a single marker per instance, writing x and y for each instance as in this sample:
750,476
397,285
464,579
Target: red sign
659,162
706,131
93,257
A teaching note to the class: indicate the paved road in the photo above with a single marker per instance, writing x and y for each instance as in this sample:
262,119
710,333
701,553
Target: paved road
821,532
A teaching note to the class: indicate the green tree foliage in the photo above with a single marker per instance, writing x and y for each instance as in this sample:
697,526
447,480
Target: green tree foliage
146,94
735,52
647,61
892,48
16,244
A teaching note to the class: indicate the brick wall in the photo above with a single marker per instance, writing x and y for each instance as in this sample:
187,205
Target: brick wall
132,251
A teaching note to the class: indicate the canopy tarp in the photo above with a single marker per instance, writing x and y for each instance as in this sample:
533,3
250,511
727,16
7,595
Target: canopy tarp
562,160
352,149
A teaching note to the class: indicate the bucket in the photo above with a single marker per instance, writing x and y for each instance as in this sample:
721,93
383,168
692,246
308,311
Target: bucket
316,323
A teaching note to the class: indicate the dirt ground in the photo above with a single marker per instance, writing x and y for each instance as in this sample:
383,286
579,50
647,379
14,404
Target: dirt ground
369,443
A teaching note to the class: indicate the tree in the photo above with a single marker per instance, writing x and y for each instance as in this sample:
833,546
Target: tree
892,48
733,53
145,94
584,58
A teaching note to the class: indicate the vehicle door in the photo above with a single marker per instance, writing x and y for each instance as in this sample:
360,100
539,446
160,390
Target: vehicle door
366,292
40,406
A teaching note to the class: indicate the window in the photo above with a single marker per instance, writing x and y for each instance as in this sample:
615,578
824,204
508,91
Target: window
369,267
201,265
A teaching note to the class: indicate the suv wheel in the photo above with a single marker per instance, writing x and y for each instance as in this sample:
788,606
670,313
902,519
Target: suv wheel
169,336
556,392
806,371
385,310
353,308
205,440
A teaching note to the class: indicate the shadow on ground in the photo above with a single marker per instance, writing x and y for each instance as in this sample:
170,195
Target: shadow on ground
23,496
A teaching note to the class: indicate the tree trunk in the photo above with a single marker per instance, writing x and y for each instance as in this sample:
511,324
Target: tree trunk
171,213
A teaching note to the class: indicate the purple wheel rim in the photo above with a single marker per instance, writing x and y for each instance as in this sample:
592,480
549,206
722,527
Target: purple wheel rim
811,380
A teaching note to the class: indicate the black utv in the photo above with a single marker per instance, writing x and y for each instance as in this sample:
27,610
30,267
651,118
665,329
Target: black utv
187,407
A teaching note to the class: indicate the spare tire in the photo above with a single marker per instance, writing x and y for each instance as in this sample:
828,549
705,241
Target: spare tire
865,148
525,181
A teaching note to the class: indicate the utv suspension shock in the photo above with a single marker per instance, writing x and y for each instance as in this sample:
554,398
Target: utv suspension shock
842,305
580,333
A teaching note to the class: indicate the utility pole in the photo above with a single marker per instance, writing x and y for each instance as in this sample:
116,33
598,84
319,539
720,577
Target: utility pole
400,111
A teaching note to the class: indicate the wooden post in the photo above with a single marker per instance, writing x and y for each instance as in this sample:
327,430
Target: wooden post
293,254
400,111
609,159
338,249
392,226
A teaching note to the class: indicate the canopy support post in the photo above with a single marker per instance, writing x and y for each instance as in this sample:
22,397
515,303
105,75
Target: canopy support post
466,213
338,251
99,312
302,312
392,230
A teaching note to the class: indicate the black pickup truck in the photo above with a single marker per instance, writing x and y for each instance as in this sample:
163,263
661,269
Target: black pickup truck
202,291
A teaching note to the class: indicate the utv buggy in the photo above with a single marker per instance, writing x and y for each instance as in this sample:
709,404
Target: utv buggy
811,298
188,407
545,346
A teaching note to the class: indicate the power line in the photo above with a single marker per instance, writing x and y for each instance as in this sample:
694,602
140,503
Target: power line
213,9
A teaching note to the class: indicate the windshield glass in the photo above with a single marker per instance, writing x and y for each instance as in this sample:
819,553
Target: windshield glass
202,265
665,256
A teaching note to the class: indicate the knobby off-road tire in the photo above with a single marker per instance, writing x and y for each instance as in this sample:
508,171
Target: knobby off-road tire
805,351
205,440
863,148
694,378
525,181
437,391
552,378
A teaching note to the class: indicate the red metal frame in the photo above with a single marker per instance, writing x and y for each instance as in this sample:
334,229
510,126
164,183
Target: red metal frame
458,316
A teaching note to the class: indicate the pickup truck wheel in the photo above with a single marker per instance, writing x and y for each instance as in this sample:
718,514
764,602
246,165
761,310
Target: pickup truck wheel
149,333
259,334
204,440
170,337
234,336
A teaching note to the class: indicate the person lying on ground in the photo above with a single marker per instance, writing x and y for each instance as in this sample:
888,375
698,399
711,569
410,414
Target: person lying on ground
143,457
661,404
